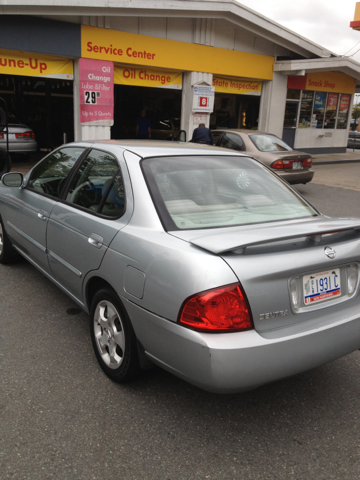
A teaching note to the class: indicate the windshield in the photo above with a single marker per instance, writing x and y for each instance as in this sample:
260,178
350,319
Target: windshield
216,191
269,143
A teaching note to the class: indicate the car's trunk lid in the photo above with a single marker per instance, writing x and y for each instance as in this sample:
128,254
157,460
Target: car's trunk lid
237,239
266,257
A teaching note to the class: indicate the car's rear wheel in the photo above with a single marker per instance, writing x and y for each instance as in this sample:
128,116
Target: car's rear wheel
7,252
113,337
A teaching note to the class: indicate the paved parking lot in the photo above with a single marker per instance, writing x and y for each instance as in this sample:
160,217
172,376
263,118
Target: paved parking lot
61,418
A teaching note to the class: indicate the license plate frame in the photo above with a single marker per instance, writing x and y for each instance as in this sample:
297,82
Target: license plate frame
321,286
297,165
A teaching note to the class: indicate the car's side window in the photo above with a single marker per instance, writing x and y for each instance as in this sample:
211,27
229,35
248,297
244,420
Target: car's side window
49,175
98,185
232,141
216,136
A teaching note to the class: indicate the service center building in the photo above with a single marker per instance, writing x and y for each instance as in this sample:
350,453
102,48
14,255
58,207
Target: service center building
75,71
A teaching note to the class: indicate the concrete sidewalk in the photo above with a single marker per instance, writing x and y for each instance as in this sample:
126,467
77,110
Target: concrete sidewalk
349,156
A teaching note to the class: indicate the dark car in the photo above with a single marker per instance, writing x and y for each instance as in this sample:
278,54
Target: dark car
165,129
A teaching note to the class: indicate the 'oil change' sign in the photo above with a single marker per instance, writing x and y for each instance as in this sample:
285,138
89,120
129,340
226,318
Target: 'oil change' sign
96,92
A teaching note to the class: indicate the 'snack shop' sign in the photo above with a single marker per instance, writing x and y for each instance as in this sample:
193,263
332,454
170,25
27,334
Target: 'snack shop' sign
335,82
96,88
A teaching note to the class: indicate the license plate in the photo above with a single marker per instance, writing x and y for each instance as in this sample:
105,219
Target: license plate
321,286
11,136
297,165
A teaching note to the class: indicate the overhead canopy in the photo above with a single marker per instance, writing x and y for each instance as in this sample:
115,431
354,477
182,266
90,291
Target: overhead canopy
334,64
202,10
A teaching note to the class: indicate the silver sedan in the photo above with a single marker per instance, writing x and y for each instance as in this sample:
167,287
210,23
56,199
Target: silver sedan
197,259
21,137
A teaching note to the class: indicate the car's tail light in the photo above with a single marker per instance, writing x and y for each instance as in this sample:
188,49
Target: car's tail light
288,164
25,135
282,164
1,135
223,309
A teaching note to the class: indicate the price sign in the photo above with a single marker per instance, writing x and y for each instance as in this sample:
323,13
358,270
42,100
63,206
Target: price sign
96,85
91,97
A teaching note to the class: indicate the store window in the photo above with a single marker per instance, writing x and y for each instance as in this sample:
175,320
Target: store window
343,113
306,108
293,94
331,107
319,110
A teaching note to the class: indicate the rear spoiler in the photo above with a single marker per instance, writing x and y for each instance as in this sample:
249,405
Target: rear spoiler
237,240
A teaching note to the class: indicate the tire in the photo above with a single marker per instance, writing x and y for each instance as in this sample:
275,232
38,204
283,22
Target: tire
113,337
7,252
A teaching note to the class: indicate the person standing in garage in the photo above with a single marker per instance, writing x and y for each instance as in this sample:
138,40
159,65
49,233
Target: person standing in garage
201,134
143,126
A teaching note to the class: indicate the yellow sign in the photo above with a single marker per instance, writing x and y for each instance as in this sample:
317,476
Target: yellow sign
33,65
330,82
356,23
147,77
129,48
236,85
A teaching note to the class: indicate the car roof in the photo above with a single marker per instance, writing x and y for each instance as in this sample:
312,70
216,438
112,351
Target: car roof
153,148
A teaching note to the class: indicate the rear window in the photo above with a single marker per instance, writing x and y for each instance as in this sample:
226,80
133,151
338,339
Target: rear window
269,143
217,191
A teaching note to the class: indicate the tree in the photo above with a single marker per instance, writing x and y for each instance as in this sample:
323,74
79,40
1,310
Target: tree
355,115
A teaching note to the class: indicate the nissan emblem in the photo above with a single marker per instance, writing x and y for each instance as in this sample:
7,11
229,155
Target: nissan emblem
329,252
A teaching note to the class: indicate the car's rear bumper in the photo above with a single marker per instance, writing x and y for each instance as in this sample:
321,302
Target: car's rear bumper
294,177
235,362
20,147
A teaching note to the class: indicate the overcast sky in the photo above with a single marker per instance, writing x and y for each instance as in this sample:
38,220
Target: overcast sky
326,22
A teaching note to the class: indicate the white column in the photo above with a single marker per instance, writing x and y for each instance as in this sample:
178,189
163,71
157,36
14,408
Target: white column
272,105
187,117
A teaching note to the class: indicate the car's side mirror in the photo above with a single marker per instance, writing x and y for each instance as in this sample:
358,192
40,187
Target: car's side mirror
181,136
12,179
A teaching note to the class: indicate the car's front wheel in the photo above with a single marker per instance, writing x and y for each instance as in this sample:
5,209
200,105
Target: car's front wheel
113,337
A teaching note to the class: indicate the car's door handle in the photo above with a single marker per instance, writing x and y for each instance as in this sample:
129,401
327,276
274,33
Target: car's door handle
43,215
96,240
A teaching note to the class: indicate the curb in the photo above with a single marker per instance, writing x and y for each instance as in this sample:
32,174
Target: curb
332,162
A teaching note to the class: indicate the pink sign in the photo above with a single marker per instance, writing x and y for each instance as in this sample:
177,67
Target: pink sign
96,88
332,101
